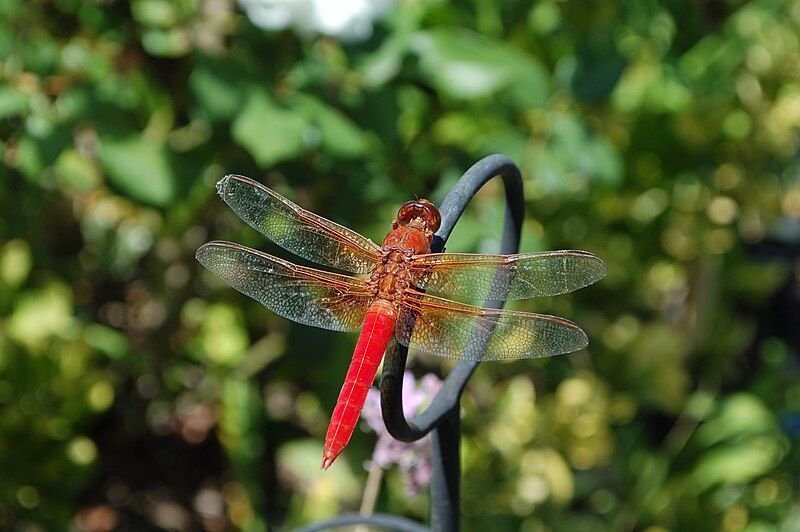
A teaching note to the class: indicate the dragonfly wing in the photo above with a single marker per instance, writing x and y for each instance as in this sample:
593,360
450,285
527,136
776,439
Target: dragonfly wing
293,228
305,295
507,277
454,330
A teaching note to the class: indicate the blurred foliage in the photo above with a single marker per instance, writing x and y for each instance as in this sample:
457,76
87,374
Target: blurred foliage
137,391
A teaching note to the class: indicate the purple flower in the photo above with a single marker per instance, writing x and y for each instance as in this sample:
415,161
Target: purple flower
413,459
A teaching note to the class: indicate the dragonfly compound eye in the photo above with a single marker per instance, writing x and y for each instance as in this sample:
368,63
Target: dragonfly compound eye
422,209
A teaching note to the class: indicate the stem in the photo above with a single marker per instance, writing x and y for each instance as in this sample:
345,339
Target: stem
371,491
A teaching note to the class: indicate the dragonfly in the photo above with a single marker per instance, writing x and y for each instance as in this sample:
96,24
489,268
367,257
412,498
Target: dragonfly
399,289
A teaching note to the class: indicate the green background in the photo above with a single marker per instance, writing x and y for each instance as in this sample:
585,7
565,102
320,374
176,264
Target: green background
136,389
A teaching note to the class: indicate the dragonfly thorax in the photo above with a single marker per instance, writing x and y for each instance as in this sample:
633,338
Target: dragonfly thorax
407,240
391,276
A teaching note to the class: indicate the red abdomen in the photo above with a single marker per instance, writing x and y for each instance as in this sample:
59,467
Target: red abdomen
375,335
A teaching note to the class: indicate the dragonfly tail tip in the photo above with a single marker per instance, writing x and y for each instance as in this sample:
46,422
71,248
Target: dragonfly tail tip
327,459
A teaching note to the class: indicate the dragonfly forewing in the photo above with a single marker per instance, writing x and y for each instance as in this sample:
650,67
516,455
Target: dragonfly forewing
295,229
507,277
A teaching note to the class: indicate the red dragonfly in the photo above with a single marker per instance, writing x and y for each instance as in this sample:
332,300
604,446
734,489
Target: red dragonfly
388,298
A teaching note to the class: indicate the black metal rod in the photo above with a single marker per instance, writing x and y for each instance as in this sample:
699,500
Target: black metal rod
443,415
446,479
374,521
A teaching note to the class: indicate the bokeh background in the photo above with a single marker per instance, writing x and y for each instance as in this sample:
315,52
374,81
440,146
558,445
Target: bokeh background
136,391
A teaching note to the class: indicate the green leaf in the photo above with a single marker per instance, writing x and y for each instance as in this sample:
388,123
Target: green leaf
155,13
110,342
224,336
41,314
139,170
466,65
385,63
340,135
76,170
742,414
736,464
175,42
480,134
29,158
458,65
213,84
597,69
573,157
15,262
602,162
270,133
12,101
530,85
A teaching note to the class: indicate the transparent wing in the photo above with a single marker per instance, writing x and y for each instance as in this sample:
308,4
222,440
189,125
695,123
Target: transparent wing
455,330
305,295
507,277
293,228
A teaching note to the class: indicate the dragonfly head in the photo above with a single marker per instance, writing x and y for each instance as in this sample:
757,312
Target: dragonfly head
421,214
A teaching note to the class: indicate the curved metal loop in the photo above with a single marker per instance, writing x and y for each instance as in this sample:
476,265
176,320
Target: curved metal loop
394,363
